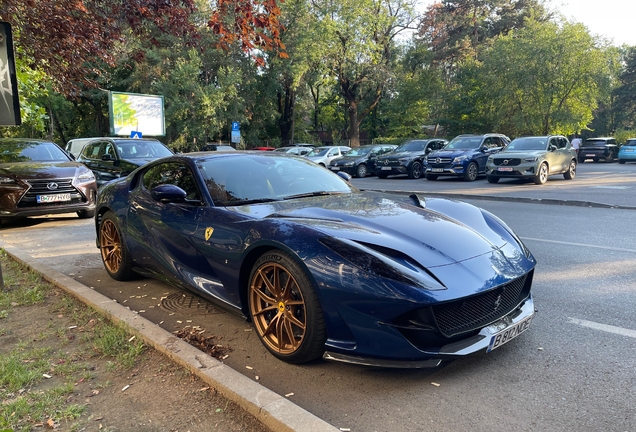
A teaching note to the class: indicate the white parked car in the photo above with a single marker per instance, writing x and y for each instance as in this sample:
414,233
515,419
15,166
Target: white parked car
324,155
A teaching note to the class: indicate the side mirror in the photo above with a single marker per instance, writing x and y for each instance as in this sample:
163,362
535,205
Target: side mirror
168,193
428,150
343,175
552,147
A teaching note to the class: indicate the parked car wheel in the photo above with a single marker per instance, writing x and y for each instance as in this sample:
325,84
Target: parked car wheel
115,255
492,179
431,177
361,172
571,172
472,170
416,170
542,174
285,309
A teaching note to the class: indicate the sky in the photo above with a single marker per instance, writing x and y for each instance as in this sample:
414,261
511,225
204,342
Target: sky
611,19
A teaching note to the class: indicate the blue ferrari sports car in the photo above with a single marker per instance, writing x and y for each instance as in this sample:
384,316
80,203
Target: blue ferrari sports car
319,267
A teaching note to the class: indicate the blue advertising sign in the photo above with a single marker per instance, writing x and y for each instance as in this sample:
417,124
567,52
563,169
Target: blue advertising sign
135,134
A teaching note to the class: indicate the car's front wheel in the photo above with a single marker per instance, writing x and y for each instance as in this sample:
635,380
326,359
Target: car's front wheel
542,174
416,170
472,170
285,309
571,172
115,255
361,172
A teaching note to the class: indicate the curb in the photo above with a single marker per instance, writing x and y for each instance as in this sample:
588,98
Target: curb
549,201
272,410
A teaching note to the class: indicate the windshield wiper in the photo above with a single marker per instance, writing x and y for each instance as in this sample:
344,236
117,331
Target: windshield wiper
311,194
250,201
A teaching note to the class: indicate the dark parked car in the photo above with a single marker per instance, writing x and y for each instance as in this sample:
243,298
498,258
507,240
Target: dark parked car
360,161
111,158
217,147
464,156
321,268
408,158
534,158
598,148
37,178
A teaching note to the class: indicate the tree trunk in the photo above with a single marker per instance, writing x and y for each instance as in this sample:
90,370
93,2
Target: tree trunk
354,127
286,121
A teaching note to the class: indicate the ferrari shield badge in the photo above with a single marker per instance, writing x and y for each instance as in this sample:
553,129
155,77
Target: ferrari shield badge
208,233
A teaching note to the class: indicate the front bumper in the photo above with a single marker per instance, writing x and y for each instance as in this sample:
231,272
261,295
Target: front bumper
348,169
392,169
454,170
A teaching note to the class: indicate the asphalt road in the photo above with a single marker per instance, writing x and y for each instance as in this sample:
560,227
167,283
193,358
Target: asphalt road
573,370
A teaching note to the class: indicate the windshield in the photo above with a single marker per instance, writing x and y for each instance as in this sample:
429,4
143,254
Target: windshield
461,142
410,146
142,149
529,143
269,177
359,151
319,151
31,151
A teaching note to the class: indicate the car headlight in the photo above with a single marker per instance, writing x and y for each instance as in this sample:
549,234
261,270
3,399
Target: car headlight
85,176
7,180
460,159
403,160
349,164
384,262
530,159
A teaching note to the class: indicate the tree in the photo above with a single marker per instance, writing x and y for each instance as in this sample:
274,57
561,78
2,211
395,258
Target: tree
625,93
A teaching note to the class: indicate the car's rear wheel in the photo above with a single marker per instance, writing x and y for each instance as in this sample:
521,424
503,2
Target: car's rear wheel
382,175
571,172
431,177
416,170
542,174
492,179
361,172
115,255
610,156
472,170
86,214
285,309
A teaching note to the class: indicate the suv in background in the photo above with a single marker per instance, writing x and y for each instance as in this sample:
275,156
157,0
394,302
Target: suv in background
464,156
360,161
409,158
111,158
627,152
598,148
75,146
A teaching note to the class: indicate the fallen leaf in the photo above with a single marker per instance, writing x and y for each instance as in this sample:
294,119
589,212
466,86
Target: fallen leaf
99,418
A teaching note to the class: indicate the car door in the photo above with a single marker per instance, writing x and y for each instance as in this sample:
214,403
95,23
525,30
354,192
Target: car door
487,148
184,241
108,163
564,153
553,156
373,156
90,156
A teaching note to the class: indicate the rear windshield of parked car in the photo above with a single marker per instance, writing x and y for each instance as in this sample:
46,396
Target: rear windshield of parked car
596,142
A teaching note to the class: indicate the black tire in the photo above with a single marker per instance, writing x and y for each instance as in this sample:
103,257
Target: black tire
430,177
86,214
542,174
471,172
492,179
382,175
610,157
571,172
361,171
621,161
115,256
289,322
416,170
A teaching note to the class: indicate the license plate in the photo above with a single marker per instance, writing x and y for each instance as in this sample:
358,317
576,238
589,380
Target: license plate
385,168
629,150
335,168
53,198
509,334
504,169
437,169
590,155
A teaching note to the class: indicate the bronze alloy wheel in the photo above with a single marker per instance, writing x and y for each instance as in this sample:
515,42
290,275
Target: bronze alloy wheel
110,246
278,308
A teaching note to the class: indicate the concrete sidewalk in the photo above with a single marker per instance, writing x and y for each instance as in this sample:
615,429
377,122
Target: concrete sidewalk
274,411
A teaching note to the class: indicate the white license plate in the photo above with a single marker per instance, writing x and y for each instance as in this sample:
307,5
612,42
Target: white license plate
53,198
509,334
590,155
385,168
504,169
437,169
629,150
335,168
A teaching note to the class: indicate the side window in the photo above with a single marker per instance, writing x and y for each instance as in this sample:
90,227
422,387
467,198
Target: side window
553,143
173,173
91,151
109,149
563,143
488,143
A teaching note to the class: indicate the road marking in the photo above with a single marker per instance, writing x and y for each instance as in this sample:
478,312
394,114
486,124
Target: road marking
580,244
610,187
604,327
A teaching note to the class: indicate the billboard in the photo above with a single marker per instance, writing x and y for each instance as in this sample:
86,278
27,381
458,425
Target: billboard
9,101
131,112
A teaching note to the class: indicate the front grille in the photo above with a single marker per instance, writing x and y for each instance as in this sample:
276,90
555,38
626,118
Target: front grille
482,309
39,187
388,162
432,160
511,162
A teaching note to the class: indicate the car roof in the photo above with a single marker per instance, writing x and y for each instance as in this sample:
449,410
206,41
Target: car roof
24,140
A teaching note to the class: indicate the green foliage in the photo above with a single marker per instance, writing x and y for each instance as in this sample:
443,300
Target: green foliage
623,135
